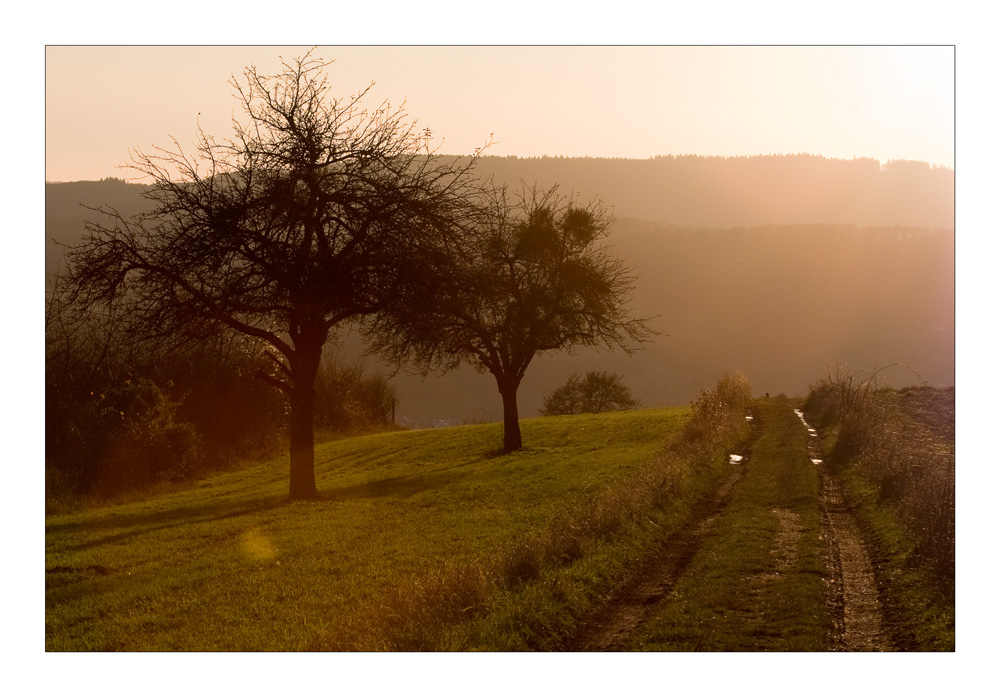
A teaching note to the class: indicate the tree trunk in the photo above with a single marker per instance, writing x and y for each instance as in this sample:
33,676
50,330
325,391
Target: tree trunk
302,479
511,427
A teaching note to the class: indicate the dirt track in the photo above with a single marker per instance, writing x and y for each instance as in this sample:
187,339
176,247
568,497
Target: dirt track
852,592
852,604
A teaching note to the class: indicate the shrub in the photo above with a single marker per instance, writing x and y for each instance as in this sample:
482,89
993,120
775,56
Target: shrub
237,415
593,393
123,438
149,444
119,416
347,400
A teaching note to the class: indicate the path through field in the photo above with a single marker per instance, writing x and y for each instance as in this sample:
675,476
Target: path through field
627,609
773,561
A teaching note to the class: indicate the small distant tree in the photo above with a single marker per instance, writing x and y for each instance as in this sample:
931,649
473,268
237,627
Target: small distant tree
529,276
593,393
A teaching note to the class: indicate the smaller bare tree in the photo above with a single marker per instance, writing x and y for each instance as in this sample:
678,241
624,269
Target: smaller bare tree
529,276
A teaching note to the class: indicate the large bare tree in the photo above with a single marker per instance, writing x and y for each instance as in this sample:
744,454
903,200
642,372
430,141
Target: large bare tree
531,275
317,211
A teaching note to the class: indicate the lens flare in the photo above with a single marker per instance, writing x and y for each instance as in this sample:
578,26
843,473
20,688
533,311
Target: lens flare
257,546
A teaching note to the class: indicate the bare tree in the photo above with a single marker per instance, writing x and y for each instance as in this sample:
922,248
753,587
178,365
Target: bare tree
315,213
530,276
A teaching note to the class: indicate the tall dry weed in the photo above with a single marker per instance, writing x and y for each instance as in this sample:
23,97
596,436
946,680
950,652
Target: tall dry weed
911,465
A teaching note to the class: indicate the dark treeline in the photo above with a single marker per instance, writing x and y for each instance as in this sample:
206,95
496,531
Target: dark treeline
684,190
123,414
749,191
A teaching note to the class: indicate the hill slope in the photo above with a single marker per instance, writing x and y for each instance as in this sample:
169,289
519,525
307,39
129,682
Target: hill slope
801,281
777,302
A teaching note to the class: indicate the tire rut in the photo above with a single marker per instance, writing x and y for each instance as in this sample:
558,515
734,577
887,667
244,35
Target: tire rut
858,622
853,598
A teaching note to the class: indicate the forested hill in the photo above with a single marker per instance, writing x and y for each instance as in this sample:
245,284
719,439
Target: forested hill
67,206
689,190
749,191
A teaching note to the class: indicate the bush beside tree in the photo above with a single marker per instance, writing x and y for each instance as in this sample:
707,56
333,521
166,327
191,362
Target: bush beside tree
123,415
348,400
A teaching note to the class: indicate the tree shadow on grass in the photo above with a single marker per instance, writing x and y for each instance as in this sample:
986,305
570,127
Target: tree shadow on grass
401,487
124,527
141,524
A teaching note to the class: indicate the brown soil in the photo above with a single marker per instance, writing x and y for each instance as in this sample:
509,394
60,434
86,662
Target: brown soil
626,609
858,622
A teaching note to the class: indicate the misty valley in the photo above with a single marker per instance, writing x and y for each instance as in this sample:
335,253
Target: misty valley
776,300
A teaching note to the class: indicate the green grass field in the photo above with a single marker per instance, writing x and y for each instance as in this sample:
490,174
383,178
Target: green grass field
230,565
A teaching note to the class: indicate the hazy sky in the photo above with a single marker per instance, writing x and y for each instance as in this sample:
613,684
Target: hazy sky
638,102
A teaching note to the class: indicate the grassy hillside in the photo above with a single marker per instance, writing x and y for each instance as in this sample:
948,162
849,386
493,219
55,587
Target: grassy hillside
230,565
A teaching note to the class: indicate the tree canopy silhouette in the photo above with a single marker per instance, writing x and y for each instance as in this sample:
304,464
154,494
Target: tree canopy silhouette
530,275
315,213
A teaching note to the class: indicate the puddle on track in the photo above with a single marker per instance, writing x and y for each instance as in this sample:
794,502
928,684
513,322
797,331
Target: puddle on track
813,445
